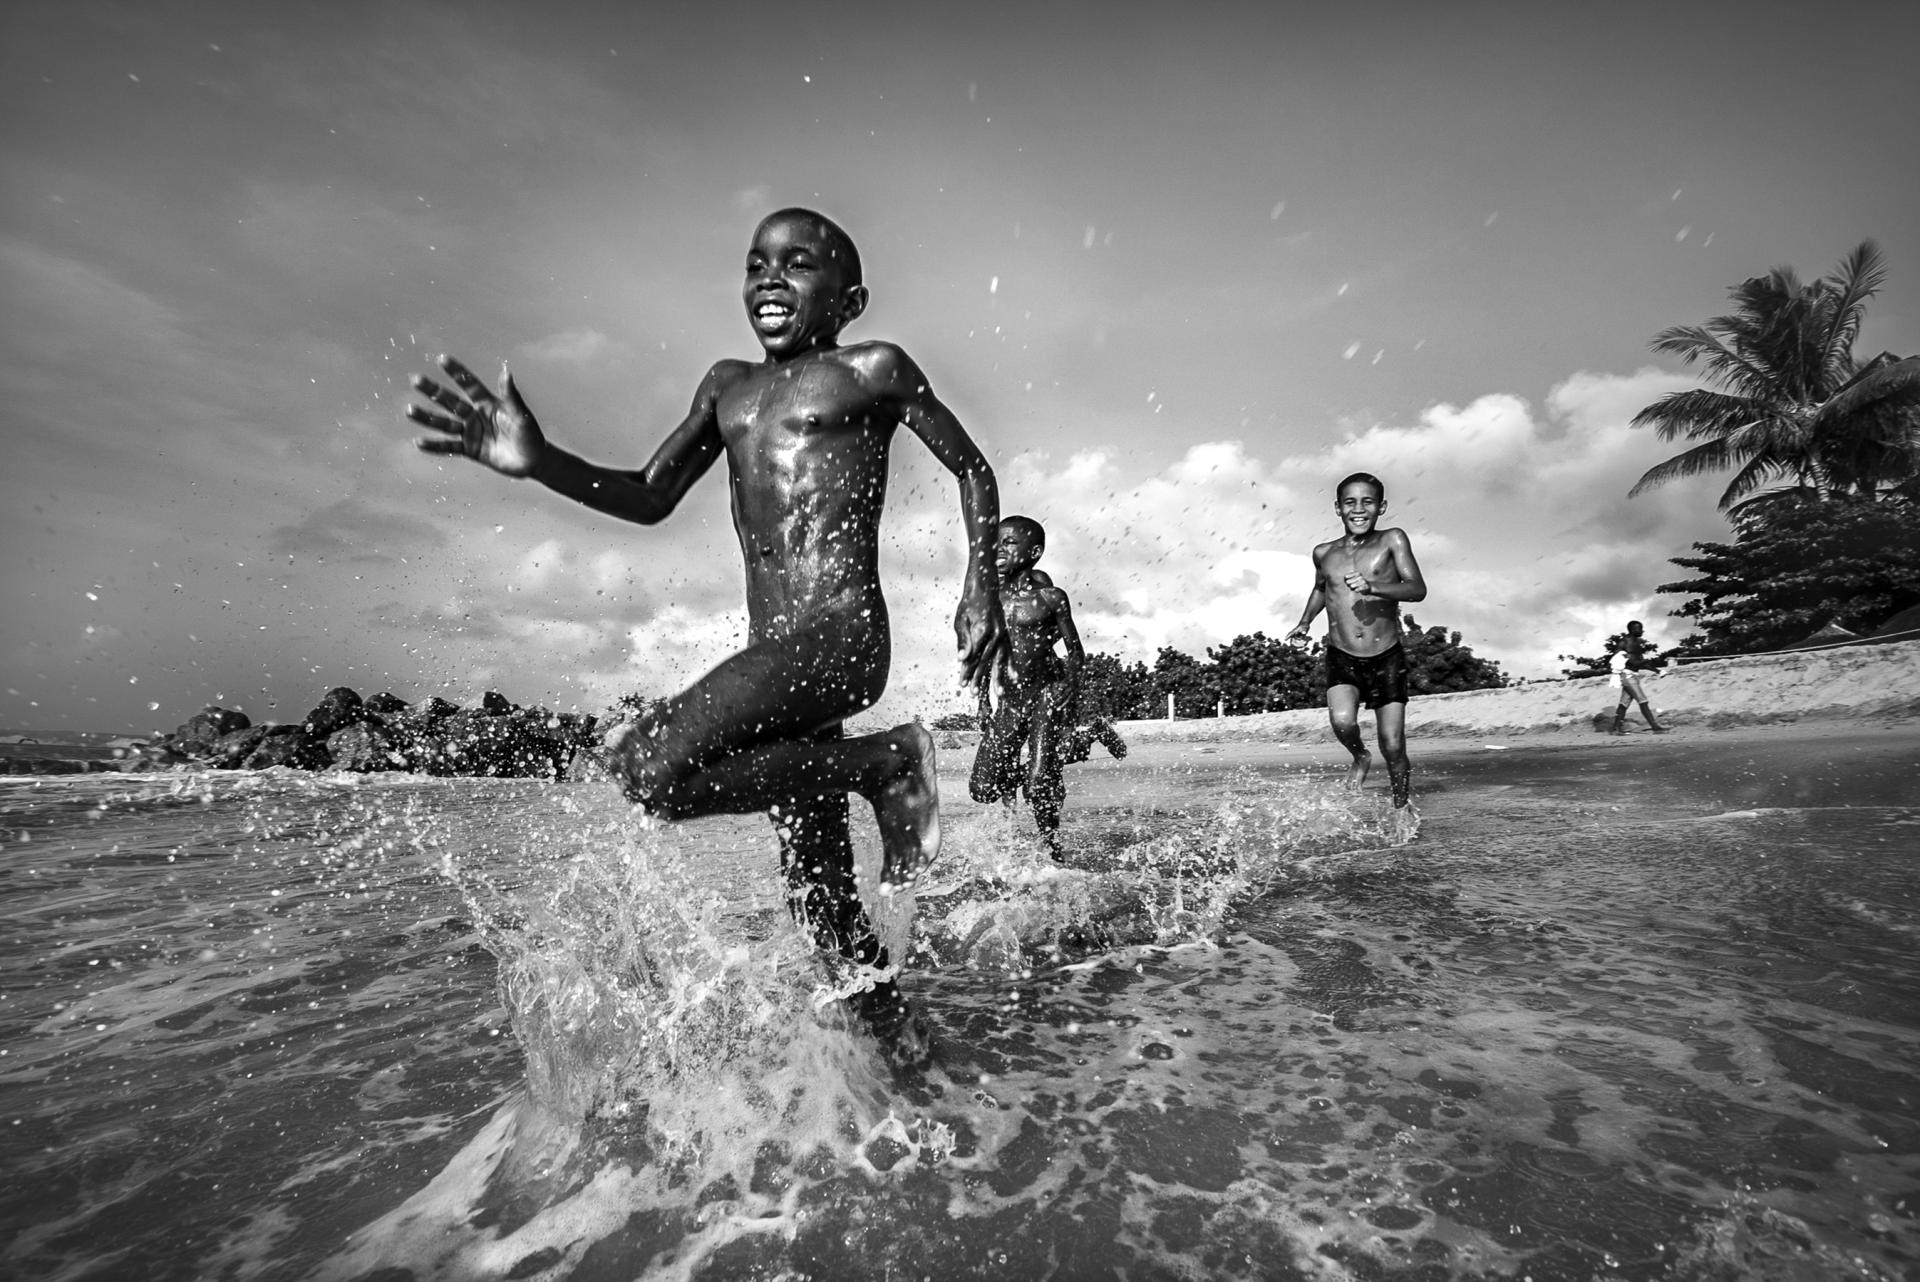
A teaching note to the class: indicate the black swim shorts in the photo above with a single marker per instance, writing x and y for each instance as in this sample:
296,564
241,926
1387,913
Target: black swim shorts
1380,678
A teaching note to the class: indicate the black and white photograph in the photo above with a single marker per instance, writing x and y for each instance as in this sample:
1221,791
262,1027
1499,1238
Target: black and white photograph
1050,641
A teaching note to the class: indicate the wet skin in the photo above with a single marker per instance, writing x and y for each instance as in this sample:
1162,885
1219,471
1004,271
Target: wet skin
1039,695
806,433
1360,579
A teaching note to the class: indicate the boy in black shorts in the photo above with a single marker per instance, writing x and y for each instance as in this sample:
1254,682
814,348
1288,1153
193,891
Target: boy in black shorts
1021,740
805,432
1360,579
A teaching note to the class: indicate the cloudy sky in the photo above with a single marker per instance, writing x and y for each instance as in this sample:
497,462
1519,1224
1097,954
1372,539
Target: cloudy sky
1177,267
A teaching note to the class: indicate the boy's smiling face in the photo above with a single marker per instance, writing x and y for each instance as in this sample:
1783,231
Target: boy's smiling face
1360,507
796,288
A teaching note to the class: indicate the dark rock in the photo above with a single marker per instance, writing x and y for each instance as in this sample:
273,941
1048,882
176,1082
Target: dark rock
519,746
421,744
339,708
158,754
495,704
205,728
47,766
385,704
288,746
433,707
234,748
363,747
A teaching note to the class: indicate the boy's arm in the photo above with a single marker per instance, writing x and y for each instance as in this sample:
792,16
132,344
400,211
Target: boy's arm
977,624
501,433
1316,602
1076,655
1411,587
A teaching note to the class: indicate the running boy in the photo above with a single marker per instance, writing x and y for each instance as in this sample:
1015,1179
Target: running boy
806,433
1360,579
1039,695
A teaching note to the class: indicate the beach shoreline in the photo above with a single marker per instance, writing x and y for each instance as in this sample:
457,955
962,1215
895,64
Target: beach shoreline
1873,683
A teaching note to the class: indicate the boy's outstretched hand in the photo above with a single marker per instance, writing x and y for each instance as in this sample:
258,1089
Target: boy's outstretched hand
498,431
981,633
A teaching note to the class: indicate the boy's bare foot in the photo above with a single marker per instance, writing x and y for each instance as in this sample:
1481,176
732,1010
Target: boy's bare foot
908,811
1357,772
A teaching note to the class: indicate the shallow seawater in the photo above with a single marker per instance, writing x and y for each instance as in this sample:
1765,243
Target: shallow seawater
293,1026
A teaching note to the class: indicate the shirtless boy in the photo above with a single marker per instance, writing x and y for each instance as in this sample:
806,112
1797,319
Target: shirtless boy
806,432
1078,737
1632,655
1360,579
1039,694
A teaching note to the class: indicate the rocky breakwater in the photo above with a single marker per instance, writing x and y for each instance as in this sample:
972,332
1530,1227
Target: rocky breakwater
385,732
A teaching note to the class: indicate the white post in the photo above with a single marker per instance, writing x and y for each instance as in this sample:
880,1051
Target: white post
1169,707
1220,708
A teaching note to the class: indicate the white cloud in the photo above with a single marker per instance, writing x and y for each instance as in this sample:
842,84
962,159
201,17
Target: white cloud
570,347
1521,522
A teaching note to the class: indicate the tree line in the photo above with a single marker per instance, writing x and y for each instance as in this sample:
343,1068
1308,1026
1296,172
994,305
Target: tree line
1258,673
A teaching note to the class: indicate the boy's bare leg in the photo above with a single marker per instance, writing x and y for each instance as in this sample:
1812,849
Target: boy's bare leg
1046,785
1343,713
1390,721
996,761
741,739
816,857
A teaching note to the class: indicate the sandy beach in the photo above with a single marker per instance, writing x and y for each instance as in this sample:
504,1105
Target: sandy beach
1832,729
1864,683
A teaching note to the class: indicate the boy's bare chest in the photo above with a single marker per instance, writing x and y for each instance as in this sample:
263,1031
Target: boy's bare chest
1368,560
1026,610
793,404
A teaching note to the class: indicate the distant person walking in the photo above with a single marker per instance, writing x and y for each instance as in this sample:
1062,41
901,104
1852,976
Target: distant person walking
1632,655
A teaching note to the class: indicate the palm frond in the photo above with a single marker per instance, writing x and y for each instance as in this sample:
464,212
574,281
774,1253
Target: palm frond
1884,384
1868,433
1697,412
1708,456
1726,364
1858,278
1756,473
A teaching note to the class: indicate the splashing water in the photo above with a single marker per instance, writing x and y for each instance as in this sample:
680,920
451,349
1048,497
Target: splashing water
1242,1033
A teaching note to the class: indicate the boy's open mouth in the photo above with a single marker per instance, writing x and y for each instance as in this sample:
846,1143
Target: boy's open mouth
771,313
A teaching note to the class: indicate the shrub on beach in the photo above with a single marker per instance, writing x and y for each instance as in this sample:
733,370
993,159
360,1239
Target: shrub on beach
1797,565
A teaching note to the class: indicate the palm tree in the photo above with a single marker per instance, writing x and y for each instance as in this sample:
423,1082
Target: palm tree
1792,403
